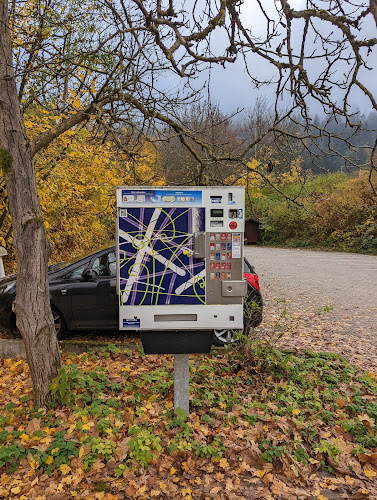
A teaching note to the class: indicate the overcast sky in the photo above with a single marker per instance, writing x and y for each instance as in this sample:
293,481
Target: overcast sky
232,88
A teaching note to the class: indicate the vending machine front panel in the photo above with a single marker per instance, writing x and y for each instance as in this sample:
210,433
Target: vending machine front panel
180,258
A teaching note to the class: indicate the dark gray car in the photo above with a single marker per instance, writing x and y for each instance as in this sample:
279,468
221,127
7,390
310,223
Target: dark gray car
83,295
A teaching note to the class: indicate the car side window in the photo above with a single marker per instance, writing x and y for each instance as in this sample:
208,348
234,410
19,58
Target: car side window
75,274
246,267
105,265
97,267
112,264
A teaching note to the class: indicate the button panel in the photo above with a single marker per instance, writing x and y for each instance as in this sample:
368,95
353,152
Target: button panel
223,251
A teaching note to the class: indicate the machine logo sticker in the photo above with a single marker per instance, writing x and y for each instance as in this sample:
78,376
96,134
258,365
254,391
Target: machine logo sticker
131,323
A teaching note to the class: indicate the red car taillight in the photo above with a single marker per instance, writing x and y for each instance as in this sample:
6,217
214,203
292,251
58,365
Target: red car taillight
253,280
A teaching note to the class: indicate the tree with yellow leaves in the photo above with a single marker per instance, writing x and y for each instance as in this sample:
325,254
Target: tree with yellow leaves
84,63
76,181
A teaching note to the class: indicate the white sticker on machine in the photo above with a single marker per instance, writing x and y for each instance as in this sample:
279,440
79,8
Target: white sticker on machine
236,245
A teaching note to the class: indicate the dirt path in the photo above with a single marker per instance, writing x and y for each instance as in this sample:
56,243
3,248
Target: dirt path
330,300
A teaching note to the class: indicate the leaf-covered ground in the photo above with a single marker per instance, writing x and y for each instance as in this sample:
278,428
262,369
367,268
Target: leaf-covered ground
263,424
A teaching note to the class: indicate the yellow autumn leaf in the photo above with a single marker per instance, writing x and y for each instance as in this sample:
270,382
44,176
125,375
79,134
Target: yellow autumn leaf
172,470
240,433
224,464
162,486
16,387
370,473
15,490
296,411
33,464
268,478
64,469
186,492
46,440
49,460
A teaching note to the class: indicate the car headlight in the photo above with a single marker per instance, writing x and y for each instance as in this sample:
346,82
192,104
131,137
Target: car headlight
5,288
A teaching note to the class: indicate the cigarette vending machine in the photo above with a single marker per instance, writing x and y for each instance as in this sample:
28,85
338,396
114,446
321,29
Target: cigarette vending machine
180,264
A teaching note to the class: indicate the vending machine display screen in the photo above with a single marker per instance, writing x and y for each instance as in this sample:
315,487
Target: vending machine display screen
217,212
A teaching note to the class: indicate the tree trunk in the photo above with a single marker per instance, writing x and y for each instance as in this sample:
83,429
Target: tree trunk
32,306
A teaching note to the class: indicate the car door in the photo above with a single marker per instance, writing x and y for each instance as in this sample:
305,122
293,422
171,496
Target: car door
94,299
63,286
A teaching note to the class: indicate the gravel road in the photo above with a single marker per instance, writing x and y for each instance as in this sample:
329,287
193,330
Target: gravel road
331,299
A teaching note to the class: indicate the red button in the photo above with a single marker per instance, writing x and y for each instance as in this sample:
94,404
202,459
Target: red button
233,224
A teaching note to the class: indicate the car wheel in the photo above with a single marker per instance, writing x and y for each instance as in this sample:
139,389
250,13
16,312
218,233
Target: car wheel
223,337
60,325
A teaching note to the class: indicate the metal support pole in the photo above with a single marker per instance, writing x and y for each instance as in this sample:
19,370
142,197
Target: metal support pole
181,382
